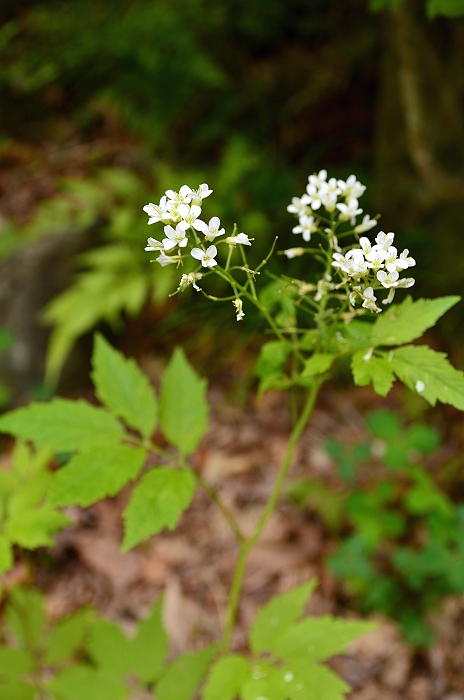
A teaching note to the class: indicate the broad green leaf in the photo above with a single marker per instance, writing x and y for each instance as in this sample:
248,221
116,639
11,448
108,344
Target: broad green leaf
33,528
108,646
14,663
157,502
275,618
226,678
17,691
25,617
95,474
67,637
317,364
309,681
424,438
30,493
264,682
123,388
6,554
384,424
150,646
272,358
318,638
62,424
407,321
81,682
373,369
430,374
448,8
183,406
185,675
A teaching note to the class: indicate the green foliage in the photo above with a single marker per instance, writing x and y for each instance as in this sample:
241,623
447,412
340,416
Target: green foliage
183,407
184,676
27,517
226,678
448,8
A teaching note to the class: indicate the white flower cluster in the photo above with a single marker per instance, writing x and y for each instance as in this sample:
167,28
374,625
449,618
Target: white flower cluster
374,266
182,209
336,196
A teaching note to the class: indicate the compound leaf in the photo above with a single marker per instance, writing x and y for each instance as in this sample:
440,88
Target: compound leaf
96,473
150,646
123,388
185,675
226,678
373,369
81,682
183,405
309,681
157,502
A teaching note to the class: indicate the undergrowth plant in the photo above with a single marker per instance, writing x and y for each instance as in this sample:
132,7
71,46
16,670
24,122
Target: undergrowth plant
315,324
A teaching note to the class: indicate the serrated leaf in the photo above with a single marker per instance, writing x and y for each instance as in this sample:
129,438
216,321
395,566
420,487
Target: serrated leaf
157,502
14,663
310,681
183,405
150,646
108,646
67,637
95,474
6,554
185,675
33,528
272,358
123,388
226,678
62,424
429,373
318,638
81,682
374,369
264,682
275,617
317,364
408,320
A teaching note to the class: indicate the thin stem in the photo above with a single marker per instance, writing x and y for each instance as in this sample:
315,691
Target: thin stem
247,545
219,502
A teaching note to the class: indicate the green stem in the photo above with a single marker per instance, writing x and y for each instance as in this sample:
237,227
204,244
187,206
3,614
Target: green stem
247,545
220,504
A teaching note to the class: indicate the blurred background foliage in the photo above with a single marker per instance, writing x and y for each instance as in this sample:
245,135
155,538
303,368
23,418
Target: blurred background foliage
105,105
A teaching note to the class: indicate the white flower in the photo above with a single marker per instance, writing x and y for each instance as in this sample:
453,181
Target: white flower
210,230
172,212
157,212
207,258
190,279
365,245
388,279
349,211
306,227
406,283
293,252
241,238
153,244
319,179
174,237
366,224
201,193
352,188
391,260
189,215
184,196
328,199
313,198
384,240
355,266
330,187
404,261
164,259
299,206
369,300
238,303
340,261
390,297
376,256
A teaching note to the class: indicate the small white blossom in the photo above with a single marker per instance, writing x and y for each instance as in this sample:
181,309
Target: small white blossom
376,257
369,300
238,303
330,187
157,212
314,198
390,297
306,227
328,199
153,244
406,282
184,196
201,193
365,245
211,230
241,238
174,237
391,259
299,206
384,240
319,179
207,258
388,279
366,224
164,259
404,261
190,279
349,211
293,252
189,215
352,188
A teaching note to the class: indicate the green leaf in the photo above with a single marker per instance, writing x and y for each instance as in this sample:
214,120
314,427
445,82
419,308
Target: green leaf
272,358
309,681
81,682
276,617
226,678
67,637
264,682
448,8
185,675
109,647
318,638
14,663
408,320
157,502
95,474
123,388
373,369
430,374
62,424
150,646
384,423
6,554
424,438
33,528
317,364
17,691
183,406
25,617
